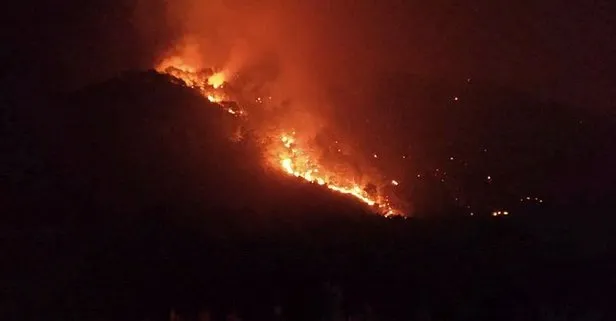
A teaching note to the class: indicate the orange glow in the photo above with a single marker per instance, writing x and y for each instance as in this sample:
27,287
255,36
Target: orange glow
177,63
216,80
214,98
298,163
209,86
286,152
294,160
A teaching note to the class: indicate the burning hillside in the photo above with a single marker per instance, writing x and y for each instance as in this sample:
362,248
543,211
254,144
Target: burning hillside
433,155
284,148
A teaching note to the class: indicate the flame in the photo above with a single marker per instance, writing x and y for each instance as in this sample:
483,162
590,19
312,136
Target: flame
214,99
216,80
295,161
177,63
209,86
288,153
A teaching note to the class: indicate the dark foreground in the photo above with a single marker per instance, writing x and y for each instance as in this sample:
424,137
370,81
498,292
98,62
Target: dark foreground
127,201
161,266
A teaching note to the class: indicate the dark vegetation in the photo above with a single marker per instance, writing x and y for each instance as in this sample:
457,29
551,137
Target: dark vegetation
464,132
126,200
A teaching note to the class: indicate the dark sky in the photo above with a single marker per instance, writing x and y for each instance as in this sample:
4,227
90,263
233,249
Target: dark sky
560,50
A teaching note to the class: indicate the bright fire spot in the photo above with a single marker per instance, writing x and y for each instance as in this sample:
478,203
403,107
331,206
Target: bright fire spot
214,99
287,165
288,155
395,182
216,80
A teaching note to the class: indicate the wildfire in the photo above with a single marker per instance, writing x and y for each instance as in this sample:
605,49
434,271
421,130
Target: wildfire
216,80
297,162
208,84
214,98
288,154
176,63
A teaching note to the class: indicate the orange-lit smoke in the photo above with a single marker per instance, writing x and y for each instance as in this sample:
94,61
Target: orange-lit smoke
291,51
301,41
285,151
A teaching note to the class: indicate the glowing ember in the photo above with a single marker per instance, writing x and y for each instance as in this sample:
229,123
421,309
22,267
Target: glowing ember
288,155
499,213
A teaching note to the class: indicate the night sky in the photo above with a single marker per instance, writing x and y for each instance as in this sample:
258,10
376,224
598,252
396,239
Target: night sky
557,50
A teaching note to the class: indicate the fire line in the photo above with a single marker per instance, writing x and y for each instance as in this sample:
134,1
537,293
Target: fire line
291,158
